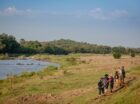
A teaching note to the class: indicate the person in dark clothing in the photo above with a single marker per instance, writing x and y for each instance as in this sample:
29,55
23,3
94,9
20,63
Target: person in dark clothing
106,82
111,83
123,74
101,86
116,78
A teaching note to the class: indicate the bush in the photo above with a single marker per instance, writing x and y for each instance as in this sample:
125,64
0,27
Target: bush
27,74
117,55
132,54
52,68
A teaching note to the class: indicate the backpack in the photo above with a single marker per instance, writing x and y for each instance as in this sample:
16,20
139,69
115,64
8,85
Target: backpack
100,84
106,80
111,80
116,75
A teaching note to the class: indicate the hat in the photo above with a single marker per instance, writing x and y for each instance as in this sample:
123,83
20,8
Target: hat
106,74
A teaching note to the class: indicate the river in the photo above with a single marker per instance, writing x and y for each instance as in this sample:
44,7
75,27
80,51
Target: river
17,66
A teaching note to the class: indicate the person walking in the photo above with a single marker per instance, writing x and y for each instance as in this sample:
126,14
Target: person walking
123,74
106,82
101,86
120,76
111,83
116,78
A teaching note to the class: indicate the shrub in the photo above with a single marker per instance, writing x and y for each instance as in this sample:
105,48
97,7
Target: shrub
117,55
52,68
27,74
132,54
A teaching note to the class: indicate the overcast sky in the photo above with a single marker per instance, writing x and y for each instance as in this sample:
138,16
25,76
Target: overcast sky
108,22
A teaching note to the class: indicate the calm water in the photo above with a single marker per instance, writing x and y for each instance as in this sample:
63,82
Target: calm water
18,66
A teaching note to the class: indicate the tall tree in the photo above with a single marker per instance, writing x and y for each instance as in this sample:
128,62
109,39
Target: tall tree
8,43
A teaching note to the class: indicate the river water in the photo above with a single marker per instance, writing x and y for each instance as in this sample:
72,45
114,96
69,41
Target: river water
16,66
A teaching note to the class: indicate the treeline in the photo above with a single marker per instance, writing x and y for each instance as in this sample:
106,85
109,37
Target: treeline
9,44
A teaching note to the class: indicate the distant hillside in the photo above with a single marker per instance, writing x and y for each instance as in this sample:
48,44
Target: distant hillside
80,47
9,44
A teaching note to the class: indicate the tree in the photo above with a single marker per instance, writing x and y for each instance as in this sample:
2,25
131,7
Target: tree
8,43
132,54
117,55
2,46
30,46
54,50
117,51
120,49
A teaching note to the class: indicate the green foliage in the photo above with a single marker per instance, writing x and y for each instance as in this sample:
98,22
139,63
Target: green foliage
27,74
132,54
30,46
120,49
117,55
8,43
52,68
80,47
51,49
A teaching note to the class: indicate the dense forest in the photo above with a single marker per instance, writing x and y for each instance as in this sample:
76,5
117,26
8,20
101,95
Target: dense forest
9,44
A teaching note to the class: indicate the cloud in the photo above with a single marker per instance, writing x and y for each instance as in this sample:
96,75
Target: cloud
11,11
119,13
96,13
99,14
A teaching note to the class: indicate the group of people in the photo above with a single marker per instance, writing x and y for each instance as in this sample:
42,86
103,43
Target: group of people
107,82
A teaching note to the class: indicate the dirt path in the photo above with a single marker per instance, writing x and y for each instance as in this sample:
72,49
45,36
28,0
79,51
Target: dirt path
102,98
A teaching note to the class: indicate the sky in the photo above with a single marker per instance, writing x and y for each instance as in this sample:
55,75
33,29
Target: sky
106,22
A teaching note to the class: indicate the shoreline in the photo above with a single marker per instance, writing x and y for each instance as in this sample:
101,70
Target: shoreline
28,65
